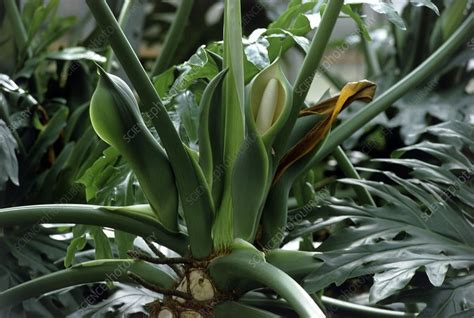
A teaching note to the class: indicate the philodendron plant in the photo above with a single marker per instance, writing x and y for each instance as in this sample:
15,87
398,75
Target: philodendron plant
221,207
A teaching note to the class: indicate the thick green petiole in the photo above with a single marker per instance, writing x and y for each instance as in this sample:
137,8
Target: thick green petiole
232,309
233,117
244,264
124,219
122,21
89,272
21,38
197,205
173,38
348,169
308,70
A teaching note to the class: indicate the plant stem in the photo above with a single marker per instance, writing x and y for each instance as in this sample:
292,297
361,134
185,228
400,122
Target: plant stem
415,78
232,309
161,261
308,69
87,254
94,215
333,305
315,53
334,79
173,38
365,310
88,272
195,198
349,171
396,44
297,264
122,22
373,66
21,38
238,266
233,117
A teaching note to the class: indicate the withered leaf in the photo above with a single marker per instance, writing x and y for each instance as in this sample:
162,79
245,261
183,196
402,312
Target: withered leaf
354,91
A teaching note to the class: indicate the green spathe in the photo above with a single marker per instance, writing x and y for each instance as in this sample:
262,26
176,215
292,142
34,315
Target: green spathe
116,118
269,99
269,102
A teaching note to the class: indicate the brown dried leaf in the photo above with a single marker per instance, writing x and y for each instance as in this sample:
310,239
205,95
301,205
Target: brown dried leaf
353,91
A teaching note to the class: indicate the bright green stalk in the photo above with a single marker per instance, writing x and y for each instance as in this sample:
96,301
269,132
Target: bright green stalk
234,57
261,300
21,36
373,66
232,309
173,38
241,266
233,102
129,222
195,198
415,78
297,264
308,70
315,53
332,78
366,311
84,273
349,171
342,307
122,22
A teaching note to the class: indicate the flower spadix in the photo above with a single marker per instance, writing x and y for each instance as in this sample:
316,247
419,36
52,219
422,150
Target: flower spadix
269,107
269,101
116,118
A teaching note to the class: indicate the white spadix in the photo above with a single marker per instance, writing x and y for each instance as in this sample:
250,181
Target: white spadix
269,97
268,106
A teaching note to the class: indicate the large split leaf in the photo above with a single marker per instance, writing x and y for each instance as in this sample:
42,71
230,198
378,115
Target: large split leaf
48,135
124,301
67,54
445,96
8,161
200,66
420,107
386,8
424,225
110,181
289,29
26,253
456,295
17,95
